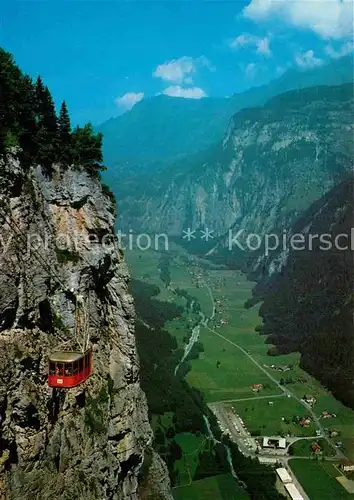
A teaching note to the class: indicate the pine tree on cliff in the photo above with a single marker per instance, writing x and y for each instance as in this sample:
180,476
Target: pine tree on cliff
87,149
65,139
10,101
47,136
39,89
27,121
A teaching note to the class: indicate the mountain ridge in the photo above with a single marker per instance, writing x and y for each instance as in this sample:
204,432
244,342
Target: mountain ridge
163,129
269,148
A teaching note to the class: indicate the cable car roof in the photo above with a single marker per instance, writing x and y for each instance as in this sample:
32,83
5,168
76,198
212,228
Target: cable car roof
66,357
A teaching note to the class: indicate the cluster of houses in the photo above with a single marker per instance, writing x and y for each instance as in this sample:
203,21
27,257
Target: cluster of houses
218,305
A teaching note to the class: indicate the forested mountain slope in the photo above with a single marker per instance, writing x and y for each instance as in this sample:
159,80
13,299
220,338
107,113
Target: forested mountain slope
309,305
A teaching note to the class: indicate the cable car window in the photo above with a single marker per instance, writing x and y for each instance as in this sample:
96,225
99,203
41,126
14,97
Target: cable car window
60,369
52,368
87,361
81,363
76,366
68,369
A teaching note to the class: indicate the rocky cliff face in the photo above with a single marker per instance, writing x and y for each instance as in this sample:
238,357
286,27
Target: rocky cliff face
92,442
273,163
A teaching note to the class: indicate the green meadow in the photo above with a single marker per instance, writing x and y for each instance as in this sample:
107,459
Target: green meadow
191,445
303,448
318,479
276,419
224,373
222,487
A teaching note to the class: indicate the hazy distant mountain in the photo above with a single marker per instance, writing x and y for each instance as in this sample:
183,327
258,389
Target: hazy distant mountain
164,129
273,163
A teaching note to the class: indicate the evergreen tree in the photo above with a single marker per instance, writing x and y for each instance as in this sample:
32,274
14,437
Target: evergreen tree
50,119
65,142
87,149
30,127
47,137
40,97
10,101
28,124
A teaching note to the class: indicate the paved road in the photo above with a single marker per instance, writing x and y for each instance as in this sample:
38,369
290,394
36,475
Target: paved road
241,441
284,389
269,396
232,423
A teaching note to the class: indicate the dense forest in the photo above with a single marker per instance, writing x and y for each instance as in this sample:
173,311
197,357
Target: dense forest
309,306
31,128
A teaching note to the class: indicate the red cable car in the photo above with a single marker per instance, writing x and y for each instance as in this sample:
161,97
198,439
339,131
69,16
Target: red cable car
69,369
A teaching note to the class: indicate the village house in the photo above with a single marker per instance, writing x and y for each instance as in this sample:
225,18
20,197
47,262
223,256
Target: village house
316,448
326,414
310,400
305,422
347,466
274,442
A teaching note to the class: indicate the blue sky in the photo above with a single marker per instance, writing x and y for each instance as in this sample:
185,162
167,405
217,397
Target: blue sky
102,57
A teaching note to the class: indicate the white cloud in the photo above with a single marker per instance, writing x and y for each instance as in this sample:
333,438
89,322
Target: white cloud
308,60
242,40
344,50
181,70
188,93
329,19
128,100
250,70
246,39
263,47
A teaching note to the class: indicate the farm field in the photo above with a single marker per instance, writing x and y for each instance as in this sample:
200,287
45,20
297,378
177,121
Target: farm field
191,445
240,328
302,448
319,479
223,487
264,419
232,378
